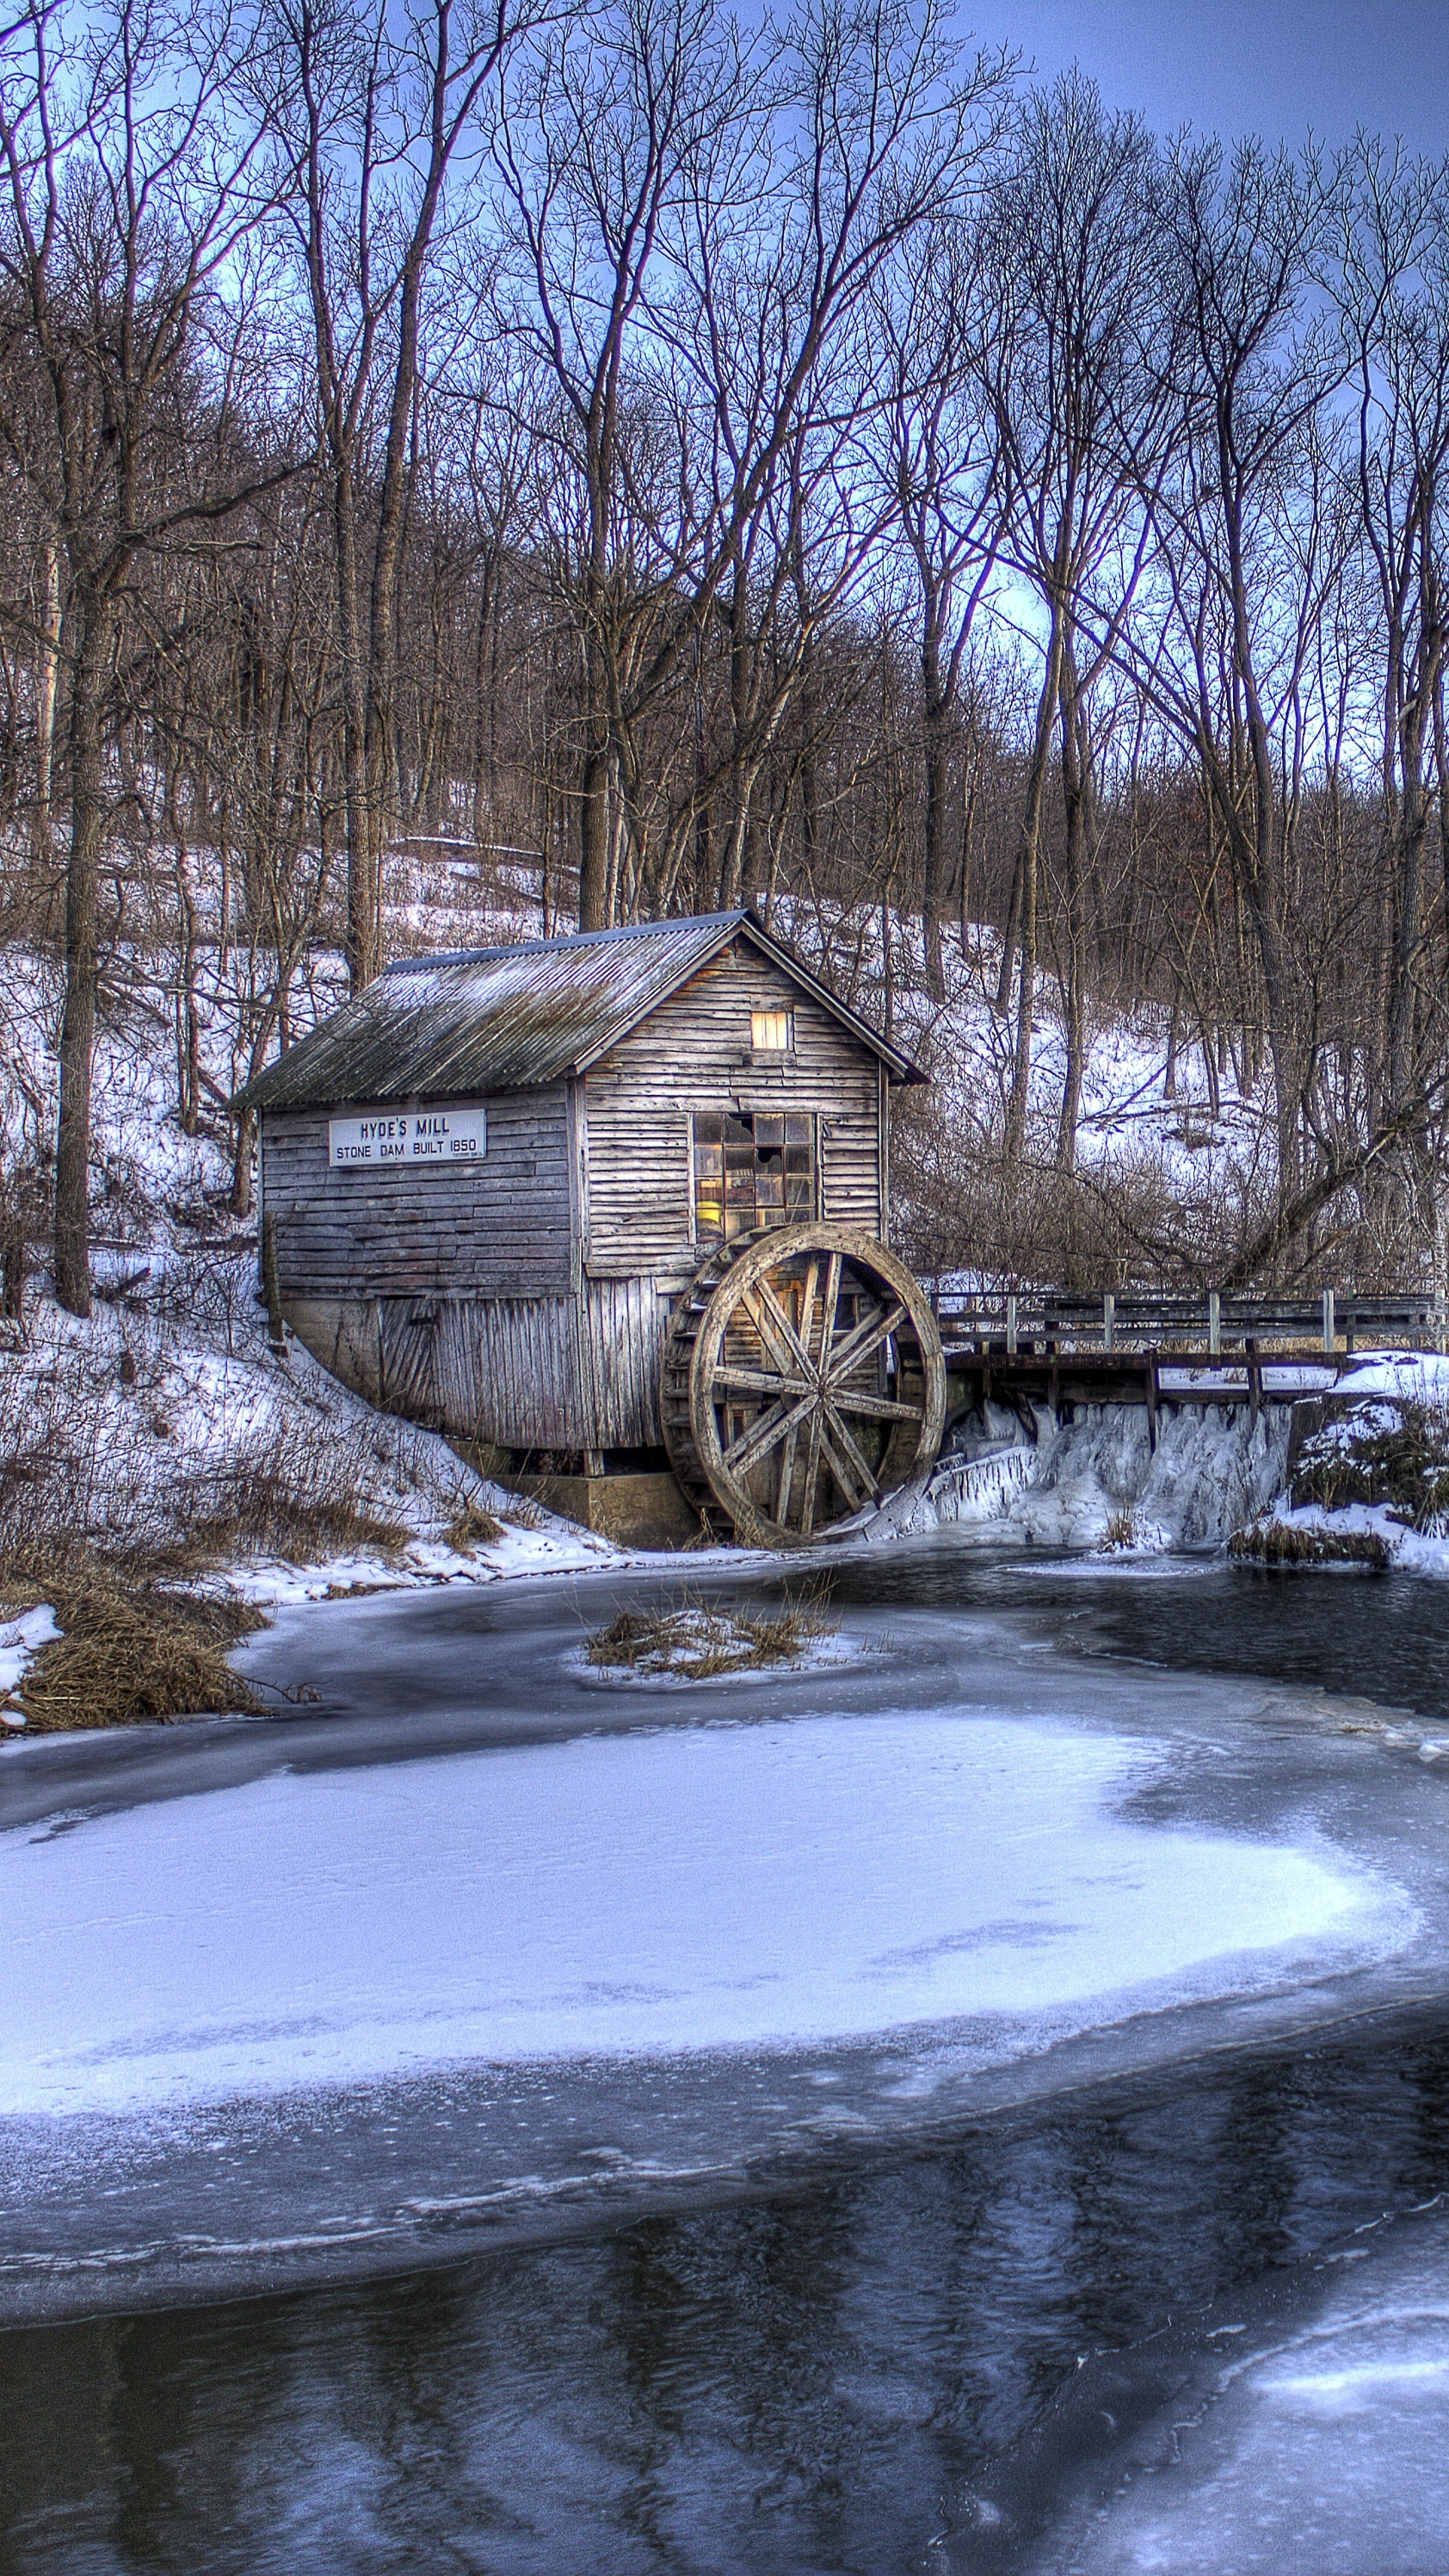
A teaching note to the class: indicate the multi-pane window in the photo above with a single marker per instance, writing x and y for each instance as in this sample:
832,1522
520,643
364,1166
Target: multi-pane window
772,1032
752,1170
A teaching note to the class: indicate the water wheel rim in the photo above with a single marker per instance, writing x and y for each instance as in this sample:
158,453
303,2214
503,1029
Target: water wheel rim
807,1395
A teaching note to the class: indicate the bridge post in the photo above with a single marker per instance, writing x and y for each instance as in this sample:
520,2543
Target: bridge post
1330,1329
1109,1310
1215,1323
1011,1328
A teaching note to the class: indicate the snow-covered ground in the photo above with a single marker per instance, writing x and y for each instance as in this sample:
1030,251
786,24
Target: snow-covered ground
166,1416
1387,1392
20,1642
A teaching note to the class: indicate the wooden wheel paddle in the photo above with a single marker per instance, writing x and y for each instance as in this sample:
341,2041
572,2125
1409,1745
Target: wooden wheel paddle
803,1383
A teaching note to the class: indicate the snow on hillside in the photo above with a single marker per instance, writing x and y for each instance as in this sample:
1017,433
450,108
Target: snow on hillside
1131,1110
167,1416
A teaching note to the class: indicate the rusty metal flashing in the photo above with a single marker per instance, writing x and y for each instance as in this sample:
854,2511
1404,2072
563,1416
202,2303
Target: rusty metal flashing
519,1017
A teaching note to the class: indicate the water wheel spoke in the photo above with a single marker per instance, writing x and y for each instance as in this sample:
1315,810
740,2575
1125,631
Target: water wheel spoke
777,1334
808,1295
763,1435
874,1408
855,1479
866,1339
811,1489
788,1455
829,1306
758,1381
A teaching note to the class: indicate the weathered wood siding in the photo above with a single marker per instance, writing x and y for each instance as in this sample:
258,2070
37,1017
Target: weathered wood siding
497,1229
528,1372
622,1324
693,1053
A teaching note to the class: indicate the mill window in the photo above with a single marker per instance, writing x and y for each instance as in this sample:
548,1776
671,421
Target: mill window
772,1032
752,1170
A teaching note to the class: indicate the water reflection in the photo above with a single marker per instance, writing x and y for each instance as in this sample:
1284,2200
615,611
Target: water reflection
820,2383
1386,1637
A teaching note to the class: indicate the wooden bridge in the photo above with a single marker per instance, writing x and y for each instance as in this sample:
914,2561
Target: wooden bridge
1041,1347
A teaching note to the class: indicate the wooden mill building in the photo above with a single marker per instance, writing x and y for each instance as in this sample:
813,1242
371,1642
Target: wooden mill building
487,1180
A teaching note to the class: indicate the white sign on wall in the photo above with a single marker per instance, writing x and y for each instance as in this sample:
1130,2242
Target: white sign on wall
432,1140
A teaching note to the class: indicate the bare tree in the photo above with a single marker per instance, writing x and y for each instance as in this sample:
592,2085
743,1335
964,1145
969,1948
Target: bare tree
1082,417
697,222
1391,280
1249,542
378,115
130,189
948,473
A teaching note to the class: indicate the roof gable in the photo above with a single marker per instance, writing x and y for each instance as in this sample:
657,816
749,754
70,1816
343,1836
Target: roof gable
503,1019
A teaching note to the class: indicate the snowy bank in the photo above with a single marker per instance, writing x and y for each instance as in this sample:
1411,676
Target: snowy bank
1369,1470
166,1427
20,1642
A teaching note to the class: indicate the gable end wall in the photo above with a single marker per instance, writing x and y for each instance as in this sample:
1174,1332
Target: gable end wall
694,1052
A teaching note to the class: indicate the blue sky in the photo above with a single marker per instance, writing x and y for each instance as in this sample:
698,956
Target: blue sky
1273,67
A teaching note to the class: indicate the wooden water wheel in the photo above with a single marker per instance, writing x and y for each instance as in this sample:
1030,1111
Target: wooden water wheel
803,1382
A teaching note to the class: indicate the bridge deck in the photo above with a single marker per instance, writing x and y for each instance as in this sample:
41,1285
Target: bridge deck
1068,1350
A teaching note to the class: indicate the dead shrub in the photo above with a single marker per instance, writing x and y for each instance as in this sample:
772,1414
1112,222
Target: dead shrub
1403,1462
303,1497
1120,1532
134,1651
697,1642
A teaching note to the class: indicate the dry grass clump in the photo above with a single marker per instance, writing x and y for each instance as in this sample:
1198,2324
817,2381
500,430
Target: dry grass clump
1284,1543
694,1642
133,1650
301,1497
1120,1532
472,1527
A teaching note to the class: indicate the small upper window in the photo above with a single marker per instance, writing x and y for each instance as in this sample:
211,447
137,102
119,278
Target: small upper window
772,1032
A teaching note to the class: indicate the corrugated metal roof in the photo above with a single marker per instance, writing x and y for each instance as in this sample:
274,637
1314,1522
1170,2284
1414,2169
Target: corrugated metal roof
504,1019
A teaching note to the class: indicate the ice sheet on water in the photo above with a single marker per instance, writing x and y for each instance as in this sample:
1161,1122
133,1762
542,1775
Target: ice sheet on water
1322,2453
691,1889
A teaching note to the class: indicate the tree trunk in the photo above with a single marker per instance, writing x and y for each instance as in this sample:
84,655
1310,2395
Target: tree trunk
361,940
596,842
933,879
82,957
45,683
1076,794
1029,863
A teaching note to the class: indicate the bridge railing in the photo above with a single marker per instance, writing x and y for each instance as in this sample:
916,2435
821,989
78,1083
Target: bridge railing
1332,1322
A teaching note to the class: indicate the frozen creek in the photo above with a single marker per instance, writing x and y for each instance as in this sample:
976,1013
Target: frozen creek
776,2127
